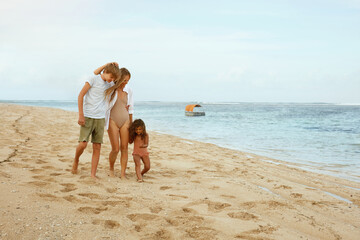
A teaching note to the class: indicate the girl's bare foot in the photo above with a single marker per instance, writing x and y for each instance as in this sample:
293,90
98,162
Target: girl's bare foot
140,180
94,177
111,173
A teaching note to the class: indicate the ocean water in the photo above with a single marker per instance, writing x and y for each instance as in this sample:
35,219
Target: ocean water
321,137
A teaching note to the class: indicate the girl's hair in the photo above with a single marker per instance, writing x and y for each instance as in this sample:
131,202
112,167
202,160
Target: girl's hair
132,130
117,83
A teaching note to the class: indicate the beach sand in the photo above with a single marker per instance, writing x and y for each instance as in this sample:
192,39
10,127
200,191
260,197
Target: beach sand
194,190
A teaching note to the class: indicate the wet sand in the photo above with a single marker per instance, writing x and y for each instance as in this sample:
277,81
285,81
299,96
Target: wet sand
194,190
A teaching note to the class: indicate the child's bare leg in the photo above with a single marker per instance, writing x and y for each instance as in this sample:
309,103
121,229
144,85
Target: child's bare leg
124,138
95,158
114,136
146,161
137,167
79,150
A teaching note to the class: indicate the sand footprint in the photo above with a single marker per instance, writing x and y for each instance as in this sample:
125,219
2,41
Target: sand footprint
174,196
109,224
160,234
283,187
68,187
156,209
217,206
6,175
55,174
202,232
296,195
92,196
44,178
49,168
113,203
111,190
136,217
19,165
63,160
92,210
37,170
261,230
40,162
39,183
72,199
229,196
186,220
212,206
270,205
48,197
243,216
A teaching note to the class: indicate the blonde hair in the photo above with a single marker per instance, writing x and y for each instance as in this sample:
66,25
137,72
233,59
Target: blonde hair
117,83
112,69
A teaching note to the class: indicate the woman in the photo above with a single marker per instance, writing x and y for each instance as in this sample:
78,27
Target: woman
117,121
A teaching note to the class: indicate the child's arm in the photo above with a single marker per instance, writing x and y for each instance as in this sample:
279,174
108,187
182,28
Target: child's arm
82,93
146,141
100,69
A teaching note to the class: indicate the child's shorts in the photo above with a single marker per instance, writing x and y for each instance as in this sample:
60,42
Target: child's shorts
93,127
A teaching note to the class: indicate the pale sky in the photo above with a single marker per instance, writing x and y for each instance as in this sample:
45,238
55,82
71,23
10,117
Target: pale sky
207,51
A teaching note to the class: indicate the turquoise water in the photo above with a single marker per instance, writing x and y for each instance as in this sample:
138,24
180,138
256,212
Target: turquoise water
322,137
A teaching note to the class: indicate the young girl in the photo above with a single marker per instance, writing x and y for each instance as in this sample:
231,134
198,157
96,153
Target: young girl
138,136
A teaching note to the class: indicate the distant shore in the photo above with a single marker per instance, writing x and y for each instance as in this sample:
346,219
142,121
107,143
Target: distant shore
194,190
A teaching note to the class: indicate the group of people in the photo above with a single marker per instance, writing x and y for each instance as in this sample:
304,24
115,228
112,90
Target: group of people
106,101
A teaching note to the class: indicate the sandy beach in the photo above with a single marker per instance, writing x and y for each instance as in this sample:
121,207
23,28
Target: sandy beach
194,190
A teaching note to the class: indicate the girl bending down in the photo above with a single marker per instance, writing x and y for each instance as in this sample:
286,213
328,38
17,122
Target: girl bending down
138,136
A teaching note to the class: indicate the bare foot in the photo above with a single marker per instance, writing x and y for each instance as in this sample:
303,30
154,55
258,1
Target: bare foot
74,168
140,180
94,177
123,177
111,173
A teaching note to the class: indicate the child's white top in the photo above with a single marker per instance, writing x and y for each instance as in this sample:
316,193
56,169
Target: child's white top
94,103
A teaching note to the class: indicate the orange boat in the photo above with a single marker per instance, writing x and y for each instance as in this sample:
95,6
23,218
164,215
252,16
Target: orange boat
193,110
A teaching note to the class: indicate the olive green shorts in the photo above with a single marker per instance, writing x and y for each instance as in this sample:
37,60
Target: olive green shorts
93,127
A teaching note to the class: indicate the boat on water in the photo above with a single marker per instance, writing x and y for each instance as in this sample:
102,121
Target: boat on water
194,110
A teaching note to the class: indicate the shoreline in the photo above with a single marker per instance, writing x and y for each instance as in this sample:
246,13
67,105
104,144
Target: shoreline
194,190
277,160
315,168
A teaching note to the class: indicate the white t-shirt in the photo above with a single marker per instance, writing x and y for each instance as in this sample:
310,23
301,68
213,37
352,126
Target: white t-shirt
130,98
94,102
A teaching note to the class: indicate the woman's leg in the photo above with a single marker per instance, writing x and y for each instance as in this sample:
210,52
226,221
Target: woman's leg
146,161
124,141
114,134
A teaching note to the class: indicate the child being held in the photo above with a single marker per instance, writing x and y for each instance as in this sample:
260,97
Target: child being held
138,136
